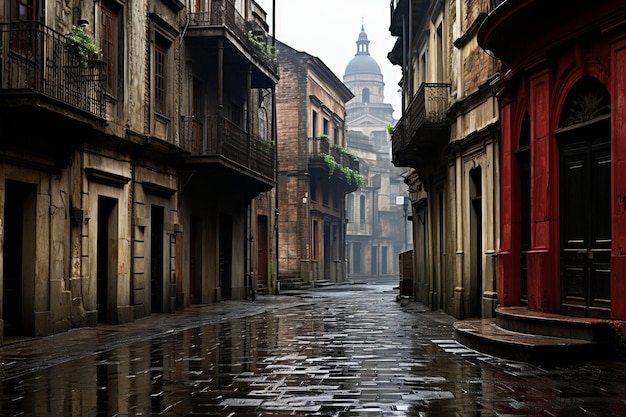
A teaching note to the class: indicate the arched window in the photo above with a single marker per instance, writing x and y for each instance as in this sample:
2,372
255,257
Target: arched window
366,95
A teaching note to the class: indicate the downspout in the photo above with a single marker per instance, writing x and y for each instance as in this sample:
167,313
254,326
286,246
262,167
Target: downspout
276,212
220,93
275,139
249,116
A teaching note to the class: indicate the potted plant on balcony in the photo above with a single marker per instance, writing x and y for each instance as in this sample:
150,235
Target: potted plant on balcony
324,143
82,46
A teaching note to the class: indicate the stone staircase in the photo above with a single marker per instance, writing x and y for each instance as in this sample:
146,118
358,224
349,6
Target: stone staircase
541,338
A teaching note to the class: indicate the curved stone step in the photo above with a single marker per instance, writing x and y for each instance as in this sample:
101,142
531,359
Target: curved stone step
485,336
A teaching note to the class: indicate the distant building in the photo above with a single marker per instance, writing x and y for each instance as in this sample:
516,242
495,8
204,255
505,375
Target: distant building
315,171
377,229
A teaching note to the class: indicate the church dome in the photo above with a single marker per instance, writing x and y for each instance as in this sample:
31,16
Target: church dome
362,63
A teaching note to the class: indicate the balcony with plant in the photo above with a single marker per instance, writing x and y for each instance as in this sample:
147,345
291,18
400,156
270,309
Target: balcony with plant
335,163
223,21
52,67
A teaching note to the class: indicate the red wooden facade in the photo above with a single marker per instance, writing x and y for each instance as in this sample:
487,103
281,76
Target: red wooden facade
562,93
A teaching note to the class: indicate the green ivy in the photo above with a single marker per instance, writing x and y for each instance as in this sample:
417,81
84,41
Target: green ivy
353,177
389,129
330,163
82,46
269,51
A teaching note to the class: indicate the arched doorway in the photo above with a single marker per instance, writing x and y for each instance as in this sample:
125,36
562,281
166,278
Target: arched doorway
584,137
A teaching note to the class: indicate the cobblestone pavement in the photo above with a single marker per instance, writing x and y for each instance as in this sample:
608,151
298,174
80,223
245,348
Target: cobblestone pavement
341,351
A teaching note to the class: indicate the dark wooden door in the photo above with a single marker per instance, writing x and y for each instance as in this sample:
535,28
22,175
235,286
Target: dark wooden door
226,256
586,225
157,272
262,255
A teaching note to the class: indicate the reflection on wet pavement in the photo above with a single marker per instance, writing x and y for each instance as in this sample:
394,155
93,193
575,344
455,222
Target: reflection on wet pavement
351,353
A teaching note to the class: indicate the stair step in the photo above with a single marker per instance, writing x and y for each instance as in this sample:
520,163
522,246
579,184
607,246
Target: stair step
484,335
520,319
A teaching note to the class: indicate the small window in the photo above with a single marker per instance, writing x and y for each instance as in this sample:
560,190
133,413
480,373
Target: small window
366,95
313,188
314,124
160,77
362,209
110,22
325,127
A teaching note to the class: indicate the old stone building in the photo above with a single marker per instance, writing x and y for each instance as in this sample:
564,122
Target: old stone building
377,225
130,156
315,170
229,75
449,135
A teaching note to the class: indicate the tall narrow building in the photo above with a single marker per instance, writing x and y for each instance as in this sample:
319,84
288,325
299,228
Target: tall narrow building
315,171
376,231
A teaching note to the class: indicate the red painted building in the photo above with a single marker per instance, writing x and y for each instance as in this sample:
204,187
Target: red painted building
562,95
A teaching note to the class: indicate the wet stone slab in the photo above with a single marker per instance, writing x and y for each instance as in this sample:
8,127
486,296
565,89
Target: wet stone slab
349,353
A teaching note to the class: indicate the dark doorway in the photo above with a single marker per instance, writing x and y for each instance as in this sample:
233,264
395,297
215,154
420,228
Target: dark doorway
262,254
19,254
226,256
107,260
586,202
328,250
157,278
476,245
356,254
374,261
195,260
586,226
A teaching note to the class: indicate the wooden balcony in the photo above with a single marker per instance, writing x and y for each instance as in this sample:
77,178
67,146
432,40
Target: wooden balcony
424,127
222,20
219,144
36,64
339,168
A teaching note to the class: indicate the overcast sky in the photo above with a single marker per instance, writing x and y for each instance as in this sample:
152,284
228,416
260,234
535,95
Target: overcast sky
329,29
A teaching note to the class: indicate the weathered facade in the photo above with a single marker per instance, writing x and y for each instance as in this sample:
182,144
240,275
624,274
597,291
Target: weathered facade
377,225
448,134
315,170
561,88
101,161
229,75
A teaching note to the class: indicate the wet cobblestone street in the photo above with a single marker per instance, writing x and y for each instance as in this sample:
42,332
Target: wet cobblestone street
343,351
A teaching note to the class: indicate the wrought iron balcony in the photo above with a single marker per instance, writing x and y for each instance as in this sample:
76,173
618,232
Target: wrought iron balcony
222,14
35,59
423,127
334,163
232,145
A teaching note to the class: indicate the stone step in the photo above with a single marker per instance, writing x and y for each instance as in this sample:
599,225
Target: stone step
484,335
520,319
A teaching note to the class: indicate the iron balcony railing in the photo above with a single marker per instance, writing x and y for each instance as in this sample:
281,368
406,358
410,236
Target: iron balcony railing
224,14
218,136
36,59
428,107
319,147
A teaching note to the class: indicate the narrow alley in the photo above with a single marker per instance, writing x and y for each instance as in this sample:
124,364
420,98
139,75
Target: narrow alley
345,350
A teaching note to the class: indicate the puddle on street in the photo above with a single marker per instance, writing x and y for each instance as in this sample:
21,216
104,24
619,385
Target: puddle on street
343,356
